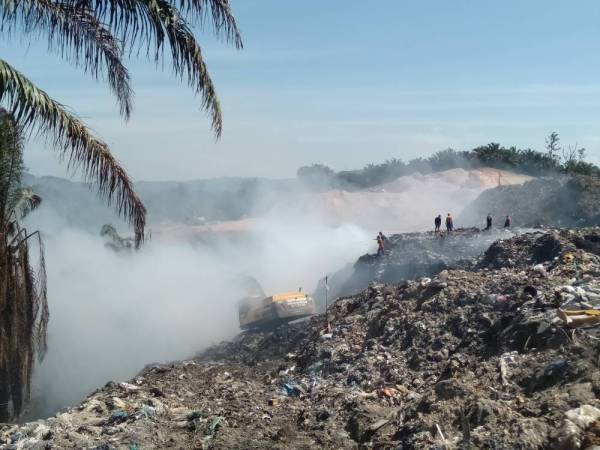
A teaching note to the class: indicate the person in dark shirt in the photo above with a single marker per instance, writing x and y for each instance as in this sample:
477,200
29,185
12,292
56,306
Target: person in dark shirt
488,221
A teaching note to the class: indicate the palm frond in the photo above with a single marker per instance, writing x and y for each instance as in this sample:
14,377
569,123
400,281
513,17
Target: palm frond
26,202
32,107
127,16
151,24
78,36
186,54
221,14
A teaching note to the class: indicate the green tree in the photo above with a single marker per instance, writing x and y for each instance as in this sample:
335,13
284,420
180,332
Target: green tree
23,304
96,36
316,176
553,145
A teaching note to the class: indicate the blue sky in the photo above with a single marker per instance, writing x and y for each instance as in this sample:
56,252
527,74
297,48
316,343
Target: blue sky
346,83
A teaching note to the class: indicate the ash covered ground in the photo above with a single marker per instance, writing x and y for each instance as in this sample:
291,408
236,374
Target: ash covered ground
473,356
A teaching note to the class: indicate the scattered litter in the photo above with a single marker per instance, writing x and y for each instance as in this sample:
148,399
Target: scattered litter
129,387
145,412
291,390
465,351
118,416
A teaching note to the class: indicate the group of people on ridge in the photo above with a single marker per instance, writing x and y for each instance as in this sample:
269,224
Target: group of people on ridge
381,238
449,223
488,222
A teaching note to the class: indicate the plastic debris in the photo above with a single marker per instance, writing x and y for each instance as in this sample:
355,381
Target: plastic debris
477,358
118,416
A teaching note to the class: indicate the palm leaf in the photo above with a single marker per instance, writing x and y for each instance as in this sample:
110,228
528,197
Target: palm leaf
151,24
32,107
129,19
219,11
78,36
26,202
186,55
148,25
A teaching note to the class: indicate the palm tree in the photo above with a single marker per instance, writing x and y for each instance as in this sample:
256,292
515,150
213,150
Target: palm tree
23,305
96,35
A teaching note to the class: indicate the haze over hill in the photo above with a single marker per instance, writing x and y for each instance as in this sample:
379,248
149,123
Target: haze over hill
235,204
410,202
285,233
223,281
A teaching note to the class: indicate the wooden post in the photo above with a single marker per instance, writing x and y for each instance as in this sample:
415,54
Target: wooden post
328,328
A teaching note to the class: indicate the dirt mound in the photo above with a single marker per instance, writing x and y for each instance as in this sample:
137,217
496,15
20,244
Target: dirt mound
565,201
406,204
399,205
453,179
474,357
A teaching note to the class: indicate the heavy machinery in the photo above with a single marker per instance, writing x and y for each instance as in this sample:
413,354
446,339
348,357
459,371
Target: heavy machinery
261,312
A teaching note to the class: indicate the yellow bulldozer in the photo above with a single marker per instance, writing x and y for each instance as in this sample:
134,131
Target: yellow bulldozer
261,312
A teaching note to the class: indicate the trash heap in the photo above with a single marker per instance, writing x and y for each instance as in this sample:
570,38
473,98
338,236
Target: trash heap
478,357
412,255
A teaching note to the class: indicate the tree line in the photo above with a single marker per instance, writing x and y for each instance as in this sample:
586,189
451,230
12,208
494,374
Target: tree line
556,159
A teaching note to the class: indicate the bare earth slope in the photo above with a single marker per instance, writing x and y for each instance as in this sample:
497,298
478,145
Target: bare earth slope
406,204
471,358
410,202
561,201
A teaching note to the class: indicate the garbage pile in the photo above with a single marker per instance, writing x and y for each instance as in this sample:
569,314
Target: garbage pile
474,357
412,255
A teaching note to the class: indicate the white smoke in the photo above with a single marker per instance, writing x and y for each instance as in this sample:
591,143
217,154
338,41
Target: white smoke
113,313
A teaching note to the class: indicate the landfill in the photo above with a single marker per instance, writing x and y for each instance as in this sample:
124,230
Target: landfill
476,355
412,255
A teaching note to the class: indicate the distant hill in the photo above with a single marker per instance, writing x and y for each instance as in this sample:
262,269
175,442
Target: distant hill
410,202
228,204
393,196
407,204
566,201
192,202
557,160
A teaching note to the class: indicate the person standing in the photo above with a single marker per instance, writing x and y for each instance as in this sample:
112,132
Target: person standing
449,223
488,222
507,222
438,223
380,246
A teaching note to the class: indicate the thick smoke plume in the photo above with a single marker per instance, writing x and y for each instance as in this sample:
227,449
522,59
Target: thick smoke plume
112,313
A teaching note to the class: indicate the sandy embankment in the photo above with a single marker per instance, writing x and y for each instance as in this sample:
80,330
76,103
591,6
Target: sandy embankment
407,204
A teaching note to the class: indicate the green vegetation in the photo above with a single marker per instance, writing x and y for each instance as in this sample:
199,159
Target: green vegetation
23,304
96,36
556,160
